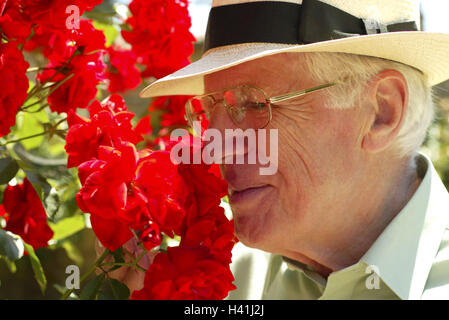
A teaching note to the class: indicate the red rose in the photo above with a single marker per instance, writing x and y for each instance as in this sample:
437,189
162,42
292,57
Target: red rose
12,22
14,84
172,54
110,232
50,19
108,195
174,110
129,189
109,123
159,180
171,118
215,170
213,231
132,189
40,38
122,73
144,129
186,274
160,35
86,68
206,188
63,43
3,215
105,181
52,13
79,90
26,215
150,236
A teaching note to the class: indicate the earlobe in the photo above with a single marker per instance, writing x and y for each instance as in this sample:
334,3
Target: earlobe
389,98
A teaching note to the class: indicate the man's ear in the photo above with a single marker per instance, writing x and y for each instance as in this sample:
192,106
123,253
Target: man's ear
388,94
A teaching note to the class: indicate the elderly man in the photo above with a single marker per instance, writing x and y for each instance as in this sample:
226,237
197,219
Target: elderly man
353,210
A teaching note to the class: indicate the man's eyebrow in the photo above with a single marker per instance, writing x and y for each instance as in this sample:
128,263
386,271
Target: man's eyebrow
224,88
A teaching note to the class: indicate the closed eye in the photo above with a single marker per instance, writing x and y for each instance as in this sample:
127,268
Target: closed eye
255,106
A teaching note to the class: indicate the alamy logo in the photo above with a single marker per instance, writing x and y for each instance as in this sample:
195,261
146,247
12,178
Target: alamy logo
373,280
73,20
73,280
255,148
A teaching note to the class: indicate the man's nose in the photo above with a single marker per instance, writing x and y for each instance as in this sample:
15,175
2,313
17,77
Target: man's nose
231,140
220,119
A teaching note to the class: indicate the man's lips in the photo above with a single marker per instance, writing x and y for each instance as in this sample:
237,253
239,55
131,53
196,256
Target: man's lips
233,188
244,194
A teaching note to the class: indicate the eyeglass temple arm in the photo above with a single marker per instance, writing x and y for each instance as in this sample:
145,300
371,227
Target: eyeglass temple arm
299,93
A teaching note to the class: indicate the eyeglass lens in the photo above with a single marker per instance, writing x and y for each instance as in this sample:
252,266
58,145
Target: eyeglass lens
247,107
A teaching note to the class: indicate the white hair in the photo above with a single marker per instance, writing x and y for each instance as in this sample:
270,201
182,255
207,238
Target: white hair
324,67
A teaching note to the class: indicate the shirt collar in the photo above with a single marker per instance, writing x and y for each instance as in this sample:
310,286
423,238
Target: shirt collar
405,250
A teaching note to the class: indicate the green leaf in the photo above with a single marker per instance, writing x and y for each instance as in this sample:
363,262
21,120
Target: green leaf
56,147
103,12
118,258
67,227
118,255
68,208
11,246
37,163
66,187
99,95
39,274
62,290
125,27
90,291
110,31
87,220
113,289
73,252
10,264
59,288
39,183
30,124
30,85
8,169
52,203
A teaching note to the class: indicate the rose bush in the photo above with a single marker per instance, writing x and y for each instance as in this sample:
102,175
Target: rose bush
68,138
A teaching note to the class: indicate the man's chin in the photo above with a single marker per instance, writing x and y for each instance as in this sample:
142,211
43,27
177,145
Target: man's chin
251,230
254,216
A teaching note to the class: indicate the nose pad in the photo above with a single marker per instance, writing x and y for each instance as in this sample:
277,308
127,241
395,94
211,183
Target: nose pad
220,119
236,114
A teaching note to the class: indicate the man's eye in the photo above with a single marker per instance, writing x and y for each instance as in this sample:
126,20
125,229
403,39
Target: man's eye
255,106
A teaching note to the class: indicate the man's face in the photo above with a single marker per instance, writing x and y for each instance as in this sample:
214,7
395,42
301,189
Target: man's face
319,155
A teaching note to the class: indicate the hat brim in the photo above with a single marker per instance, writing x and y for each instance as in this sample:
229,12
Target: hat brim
424,51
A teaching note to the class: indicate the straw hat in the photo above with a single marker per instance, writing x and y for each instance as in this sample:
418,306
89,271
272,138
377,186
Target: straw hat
240,31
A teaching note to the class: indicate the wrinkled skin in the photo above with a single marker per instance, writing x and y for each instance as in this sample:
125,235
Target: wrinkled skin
325,205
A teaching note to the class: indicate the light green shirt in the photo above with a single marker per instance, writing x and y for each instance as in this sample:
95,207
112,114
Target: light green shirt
409,260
